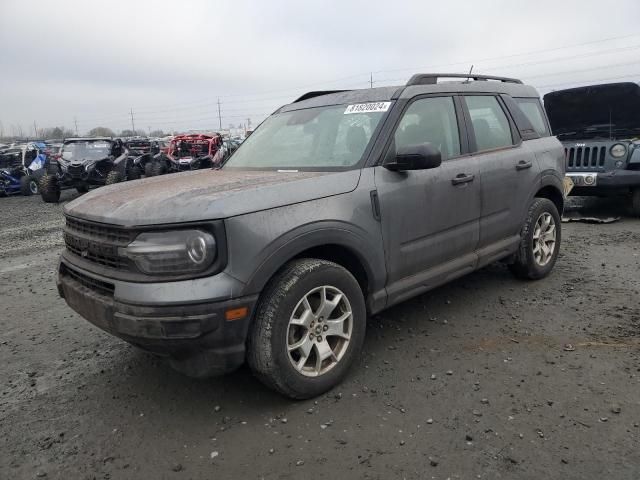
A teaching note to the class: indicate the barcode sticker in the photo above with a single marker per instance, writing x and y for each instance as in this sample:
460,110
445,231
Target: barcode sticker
368,107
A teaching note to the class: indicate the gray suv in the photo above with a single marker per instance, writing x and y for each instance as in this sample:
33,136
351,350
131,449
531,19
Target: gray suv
341,204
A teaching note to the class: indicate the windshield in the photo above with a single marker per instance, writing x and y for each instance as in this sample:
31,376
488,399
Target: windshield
315,138
86,150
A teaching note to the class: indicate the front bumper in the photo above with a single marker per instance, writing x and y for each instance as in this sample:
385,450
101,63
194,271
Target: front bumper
593,183
196,337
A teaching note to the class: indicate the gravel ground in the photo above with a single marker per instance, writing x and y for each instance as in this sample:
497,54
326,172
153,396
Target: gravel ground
472,380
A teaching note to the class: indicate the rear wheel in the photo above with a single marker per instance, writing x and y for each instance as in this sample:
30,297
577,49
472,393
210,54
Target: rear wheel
113,177
309,328
540,241
134,173
82,188
635,202
28,185
49,189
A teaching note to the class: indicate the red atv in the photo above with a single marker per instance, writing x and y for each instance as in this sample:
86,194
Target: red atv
189,152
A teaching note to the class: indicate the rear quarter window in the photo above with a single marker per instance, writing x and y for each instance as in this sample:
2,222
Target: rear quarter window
532,109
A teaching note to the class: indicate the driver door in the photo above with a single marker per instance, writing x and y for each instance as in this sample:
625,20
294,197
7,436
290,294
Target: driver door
430,218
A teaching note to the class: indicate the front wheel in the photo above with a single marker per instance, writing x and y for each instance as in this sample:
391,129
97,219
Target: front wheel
49,189
113,177
635,202
309,328
540,241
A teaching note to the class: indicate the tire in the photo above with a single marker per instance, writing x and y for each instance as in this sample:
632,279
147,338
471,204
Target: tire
82,188
134,173
113,177
157,169
49,189
148,169
635,202
28,185
528,264
268,354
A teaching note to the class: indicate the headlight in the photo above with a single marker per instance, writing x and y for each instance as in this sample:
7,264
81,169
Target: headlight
618,150
172,252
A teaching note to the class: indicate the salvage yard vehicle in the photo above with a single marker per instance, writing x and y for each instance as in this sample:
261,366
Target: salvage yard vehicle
599,126
188,152
21,167
142,152
85,162
339,205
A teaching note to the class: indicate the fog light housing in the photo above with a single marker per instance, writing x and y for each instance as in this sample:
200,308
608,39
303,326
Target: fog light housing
589,179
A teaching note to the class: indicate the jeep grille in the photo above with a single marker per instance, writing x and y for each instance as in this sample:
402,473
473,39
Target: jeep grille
588,157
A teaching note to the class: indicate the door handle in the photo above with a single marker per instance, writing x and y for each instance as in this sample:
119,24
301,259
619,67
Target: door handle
462,178
522,165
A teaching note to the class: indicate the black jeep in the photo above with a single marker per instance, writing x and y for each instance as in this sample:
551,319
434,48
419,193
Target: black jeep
599,126
85,162
141,151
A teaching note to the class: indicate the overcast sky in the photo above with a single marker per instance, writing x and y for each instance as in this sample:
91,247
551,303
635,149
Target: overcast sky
170,61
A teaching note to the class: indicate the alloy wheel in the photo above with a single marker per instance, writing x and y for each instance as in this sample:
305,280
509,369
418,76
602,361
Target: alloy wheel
544,239
319,331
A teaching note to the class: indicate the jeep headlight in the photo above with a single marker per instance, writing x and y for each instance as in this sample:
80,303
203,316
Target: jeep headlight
618,150
172,252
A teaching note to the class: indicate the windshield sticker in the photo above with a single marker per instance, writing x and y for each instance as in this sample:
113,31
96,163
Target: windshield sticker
368,107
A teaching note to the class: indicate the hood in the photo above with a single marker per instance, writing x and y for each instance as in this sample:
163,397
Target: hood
580,109
206,195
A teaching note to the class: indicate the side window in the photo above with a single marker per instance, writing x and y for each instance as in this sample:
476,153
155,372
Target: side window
533,111
490,123
430,120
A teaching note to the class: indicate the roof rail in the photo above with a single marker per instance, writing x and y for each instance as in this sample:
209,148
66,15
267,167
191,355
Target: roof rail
318,93
432,78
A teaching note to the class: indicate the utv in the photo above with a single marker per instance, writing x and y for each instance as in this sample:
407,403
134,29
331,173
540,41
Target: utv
21,167
189,152
85,162
599,126
142,151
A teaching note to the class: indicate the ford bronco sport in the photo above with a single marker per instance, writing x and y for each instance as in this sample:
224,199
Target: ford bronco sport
599,126
339,205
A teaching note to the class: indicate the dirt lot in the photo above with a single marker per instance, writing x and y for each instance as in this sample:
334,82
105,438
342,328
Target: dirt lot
469,381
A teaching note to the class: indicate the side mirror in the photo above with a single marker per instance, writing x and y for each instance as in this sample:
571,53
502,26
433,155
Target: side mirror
416,157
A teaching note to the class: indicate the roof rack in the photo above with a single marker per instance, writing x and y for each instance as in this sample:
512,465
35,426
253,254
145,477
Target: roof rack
432,78
318,93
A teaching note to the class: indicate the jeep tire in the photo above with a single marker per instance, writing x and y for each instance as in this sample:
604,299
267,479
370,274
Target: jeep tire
28,185
148,169
82,188
291,312
134,173
540,241
635,202
113,176
49,189
158,168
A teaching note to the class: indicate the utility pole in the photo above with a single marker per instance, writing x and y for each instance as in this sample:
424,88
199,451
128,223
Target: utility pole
133,125
219,115
75,120
371,80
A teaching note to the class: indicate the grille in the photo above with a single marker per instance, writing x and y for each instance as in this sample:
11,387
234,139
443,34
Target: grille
97,243
101,287
586,157
75,171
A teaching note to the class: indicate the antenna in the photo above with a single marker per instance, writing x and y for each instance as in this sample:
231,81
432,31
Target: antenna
470,70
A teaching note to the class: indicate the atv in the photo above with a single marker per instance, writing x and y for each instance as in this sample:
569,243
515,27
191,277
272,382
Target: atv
142,151
189,152
83,163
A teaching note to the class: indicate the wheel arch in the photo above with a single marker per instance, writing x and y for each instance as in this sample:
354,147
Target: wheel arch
338,245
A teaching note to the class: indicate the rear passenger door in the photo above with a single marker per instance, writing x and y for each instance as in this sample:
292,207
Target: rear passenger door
508,170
